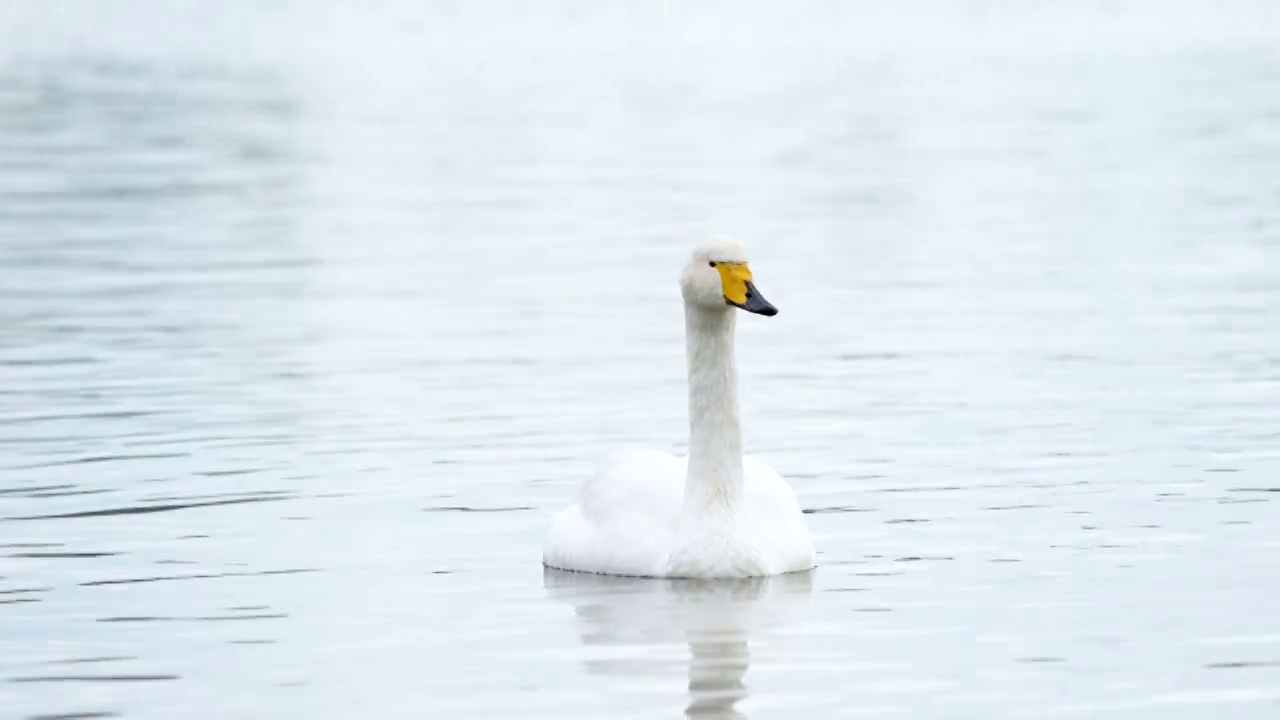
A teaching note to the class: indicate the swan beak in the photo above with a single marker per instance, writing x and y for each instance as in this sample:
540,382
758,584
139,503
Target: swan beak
755,302
739,291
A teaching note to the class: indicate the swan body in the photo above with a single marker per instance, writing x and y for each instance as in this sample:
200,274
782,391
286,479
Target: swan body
715,513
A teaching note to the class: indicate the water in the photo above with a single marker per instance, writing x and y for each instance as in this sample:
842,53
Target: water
311,314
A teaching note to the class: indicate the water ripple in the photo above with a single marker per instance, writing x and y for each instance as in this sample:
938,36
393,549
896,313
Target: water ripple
195,576
144,509
311,316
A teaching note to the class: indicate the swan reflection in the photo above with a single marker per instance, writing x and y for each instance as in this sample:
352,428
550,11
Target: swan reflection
715,619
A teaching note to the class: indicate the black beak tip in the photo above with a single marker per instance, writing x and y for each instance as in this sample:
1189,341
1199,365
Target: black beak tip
758,305
755,303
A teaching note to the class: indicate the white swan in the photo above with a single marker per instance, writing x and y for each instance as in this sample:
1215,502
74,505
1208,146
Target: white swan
714,514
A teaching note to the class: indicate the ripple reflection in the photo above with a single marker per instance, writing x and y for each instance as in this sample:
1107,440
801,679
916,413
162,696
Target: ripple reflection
716,619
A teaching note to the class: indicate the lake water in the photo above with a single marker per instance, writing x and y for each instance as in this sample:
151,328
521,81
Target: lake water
311,314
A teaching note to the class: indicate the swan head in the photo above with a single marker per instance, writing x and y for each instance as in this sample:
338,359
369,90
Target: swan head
717,277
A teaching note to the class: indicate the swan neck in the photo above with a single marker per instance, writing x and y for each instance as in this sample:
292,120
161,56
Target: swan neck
715,436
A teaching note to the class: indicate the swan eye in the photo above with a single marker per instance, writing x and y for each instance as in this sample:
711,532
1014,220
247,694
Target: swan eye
712,263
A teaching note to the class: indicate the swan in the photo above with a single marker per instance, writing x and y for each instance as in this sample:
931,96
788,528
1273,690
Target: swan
715,513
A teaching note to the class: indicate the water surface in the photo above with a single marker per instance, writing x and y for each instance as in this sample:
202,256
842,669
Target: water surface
311,314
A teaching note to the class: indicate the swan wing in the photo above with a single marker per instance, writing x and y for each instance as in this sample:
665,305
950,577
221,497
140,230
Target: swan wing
772,511
625,519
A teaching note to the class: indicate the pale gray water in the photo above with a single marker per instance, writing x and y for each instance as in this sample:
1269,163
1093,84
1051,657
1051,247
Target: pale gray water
311,315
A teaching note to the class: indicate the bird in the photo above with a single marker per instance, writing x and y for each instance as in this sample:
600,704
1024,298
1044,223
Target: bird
714,513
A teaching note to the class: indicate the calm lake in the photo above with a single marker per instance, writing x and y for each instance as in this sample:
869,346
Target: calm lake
313,313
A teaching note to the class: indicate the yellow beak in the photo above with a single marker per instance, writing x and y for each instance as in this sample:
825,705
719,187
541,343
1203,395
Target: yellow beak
740,291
